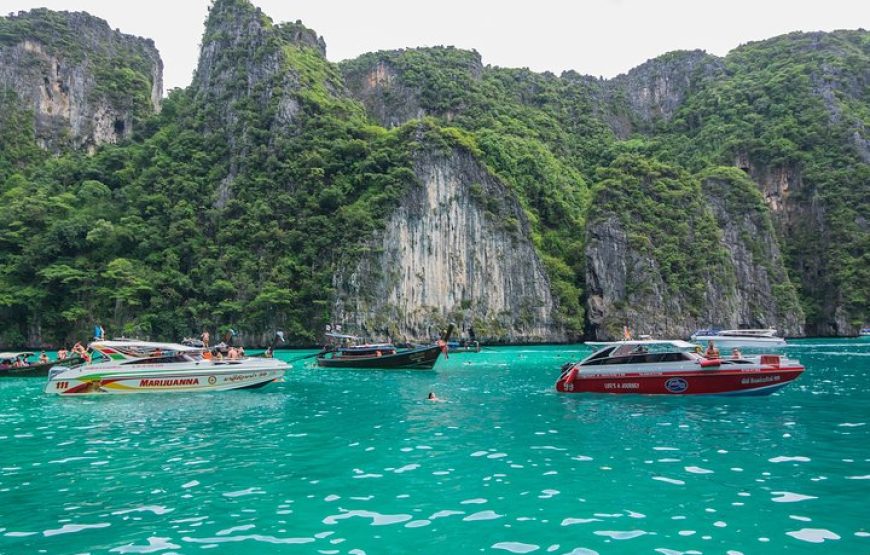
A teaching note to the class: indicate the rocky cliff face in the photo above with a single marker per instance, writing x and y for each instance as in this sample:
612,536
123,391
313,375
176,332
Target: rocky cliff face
738,277
763,293
396,86
388,100
249,78
655,90
799,216
85,83
457,248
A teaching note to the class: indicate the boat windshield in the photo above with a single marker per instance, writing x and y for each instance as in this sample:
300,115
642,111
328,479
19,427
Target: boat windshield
634,353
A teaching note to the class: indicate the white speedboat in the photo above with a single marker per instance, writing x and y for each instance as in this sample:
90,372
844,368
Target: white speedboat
728,339
674,368
146,367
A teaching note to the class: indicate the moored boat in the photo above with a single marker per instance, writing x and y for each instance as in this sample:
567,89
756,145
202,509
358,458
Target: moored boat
463,347
380,355
146,367
18,365
728,339
673,368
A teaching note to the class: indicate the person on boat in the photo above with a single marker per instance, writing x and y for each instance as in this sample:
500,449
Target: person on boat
80,350
205,337
206,355
232,354
626,333
241,352
736,354
62,353
712,351
43,358
99,333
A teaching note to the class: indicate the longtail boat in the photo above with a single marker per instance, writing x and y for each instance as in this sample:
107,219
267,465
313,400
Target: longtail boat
16,365
381,355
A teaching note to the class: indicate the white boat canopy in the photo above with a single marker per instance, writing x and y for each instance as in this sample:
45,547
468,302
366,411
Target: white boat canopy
142,346
678,343
4,356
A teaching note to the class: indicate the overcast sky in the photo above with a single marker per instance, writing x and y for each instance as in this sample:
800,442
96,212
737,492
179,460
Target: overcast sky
595,37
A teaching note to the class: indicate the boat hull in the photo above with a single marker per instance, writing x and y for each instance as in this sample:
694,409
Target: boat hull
700,382
152,379
415,359
37,370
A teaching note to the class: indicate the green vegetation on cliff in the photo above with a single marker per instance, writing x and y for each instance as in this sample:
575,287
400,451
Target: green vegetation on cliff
233,206
793,111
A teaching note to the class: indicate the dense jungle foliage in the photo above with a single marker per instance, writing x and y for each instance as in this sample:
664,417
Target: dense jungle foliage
232,206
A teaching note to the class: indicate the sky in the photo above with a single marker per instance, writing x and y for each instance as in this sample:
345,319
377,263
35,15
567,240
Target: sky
594,37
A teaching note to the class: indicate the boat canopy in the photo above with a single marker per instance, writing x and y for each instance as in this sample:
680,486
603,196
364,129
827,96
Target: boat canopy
749,333
13,356
119,350
678,343
341,336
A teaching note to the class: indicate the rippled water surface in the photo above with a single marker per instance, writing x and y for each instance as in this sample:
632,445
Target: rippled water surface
338,461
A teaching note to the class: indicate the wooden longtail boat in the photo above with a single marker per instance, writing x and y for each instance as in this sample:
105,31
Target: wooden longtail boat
8,368
382,355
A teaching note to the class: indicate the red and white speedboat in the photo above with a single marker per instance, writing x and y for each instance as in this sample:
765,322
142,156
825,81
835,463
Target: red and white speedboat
673,368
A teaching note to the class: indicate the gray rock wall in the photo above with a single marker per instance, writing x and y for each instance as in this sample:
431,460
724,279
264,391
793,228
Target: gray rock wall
67,84
751,288
456,249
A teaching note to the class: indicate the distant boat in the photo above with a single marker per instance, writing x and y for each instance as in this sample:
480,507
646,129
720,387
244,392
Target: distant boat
652,367
727,339
463,346
865,333
146,367
380,355
16,365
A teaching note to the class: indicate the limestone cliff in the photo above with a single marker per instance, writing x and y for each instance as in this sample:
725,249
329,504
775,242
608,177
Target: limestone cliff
799,215
250,77
457,248
718,264
652,92
85,83
764,294
401,85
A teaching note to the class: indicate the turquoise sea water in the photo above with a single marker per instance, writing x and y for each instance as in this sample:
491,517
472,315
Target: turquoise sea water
338,461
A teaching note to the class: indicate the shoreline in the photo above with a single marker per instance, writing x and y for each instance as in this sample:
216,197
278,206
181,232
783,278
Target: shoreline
54,348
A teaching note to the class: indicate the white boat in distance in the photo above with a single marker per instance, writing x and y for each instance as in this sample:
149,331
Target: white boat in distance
147,367
728,339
